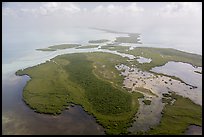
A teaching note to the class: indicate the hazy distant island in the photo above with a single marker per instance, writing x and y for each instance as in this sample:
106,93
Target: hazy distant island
115,89
98,41
113,31
61,46
132,38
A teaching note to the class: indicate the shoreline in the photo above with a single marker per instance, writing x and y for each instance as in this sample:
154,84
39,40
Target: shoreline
19,74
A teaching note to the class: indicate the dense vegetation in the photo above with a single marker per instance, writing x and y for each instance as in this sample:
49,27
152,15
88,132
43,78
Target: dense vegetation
177,117
46,91
73,79
64,46
92,81
160,56
104,67
104,98
115,47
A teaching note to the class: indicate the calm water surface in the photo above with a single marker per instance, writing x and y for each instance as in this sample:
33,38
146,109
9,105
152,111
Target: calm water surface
182,70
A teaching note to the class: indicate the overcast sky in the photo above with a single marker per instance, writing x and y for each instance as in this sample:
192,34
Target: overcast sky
181,22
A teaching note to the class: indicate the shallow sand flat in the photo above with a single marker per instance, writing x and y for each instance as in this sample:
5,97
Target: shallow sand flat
143,59
149,116
158,85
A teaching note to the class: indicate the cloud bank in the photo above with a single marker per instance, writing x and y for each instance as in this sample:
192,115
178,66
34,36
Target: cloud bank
179,22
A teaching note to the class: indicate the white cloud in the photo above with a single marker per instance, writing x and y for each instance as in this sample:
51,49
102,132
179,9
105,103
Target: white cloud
176,9
118,9
70,7
134,8
8,12
51,5
46,8
113,9
49,8
166,22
